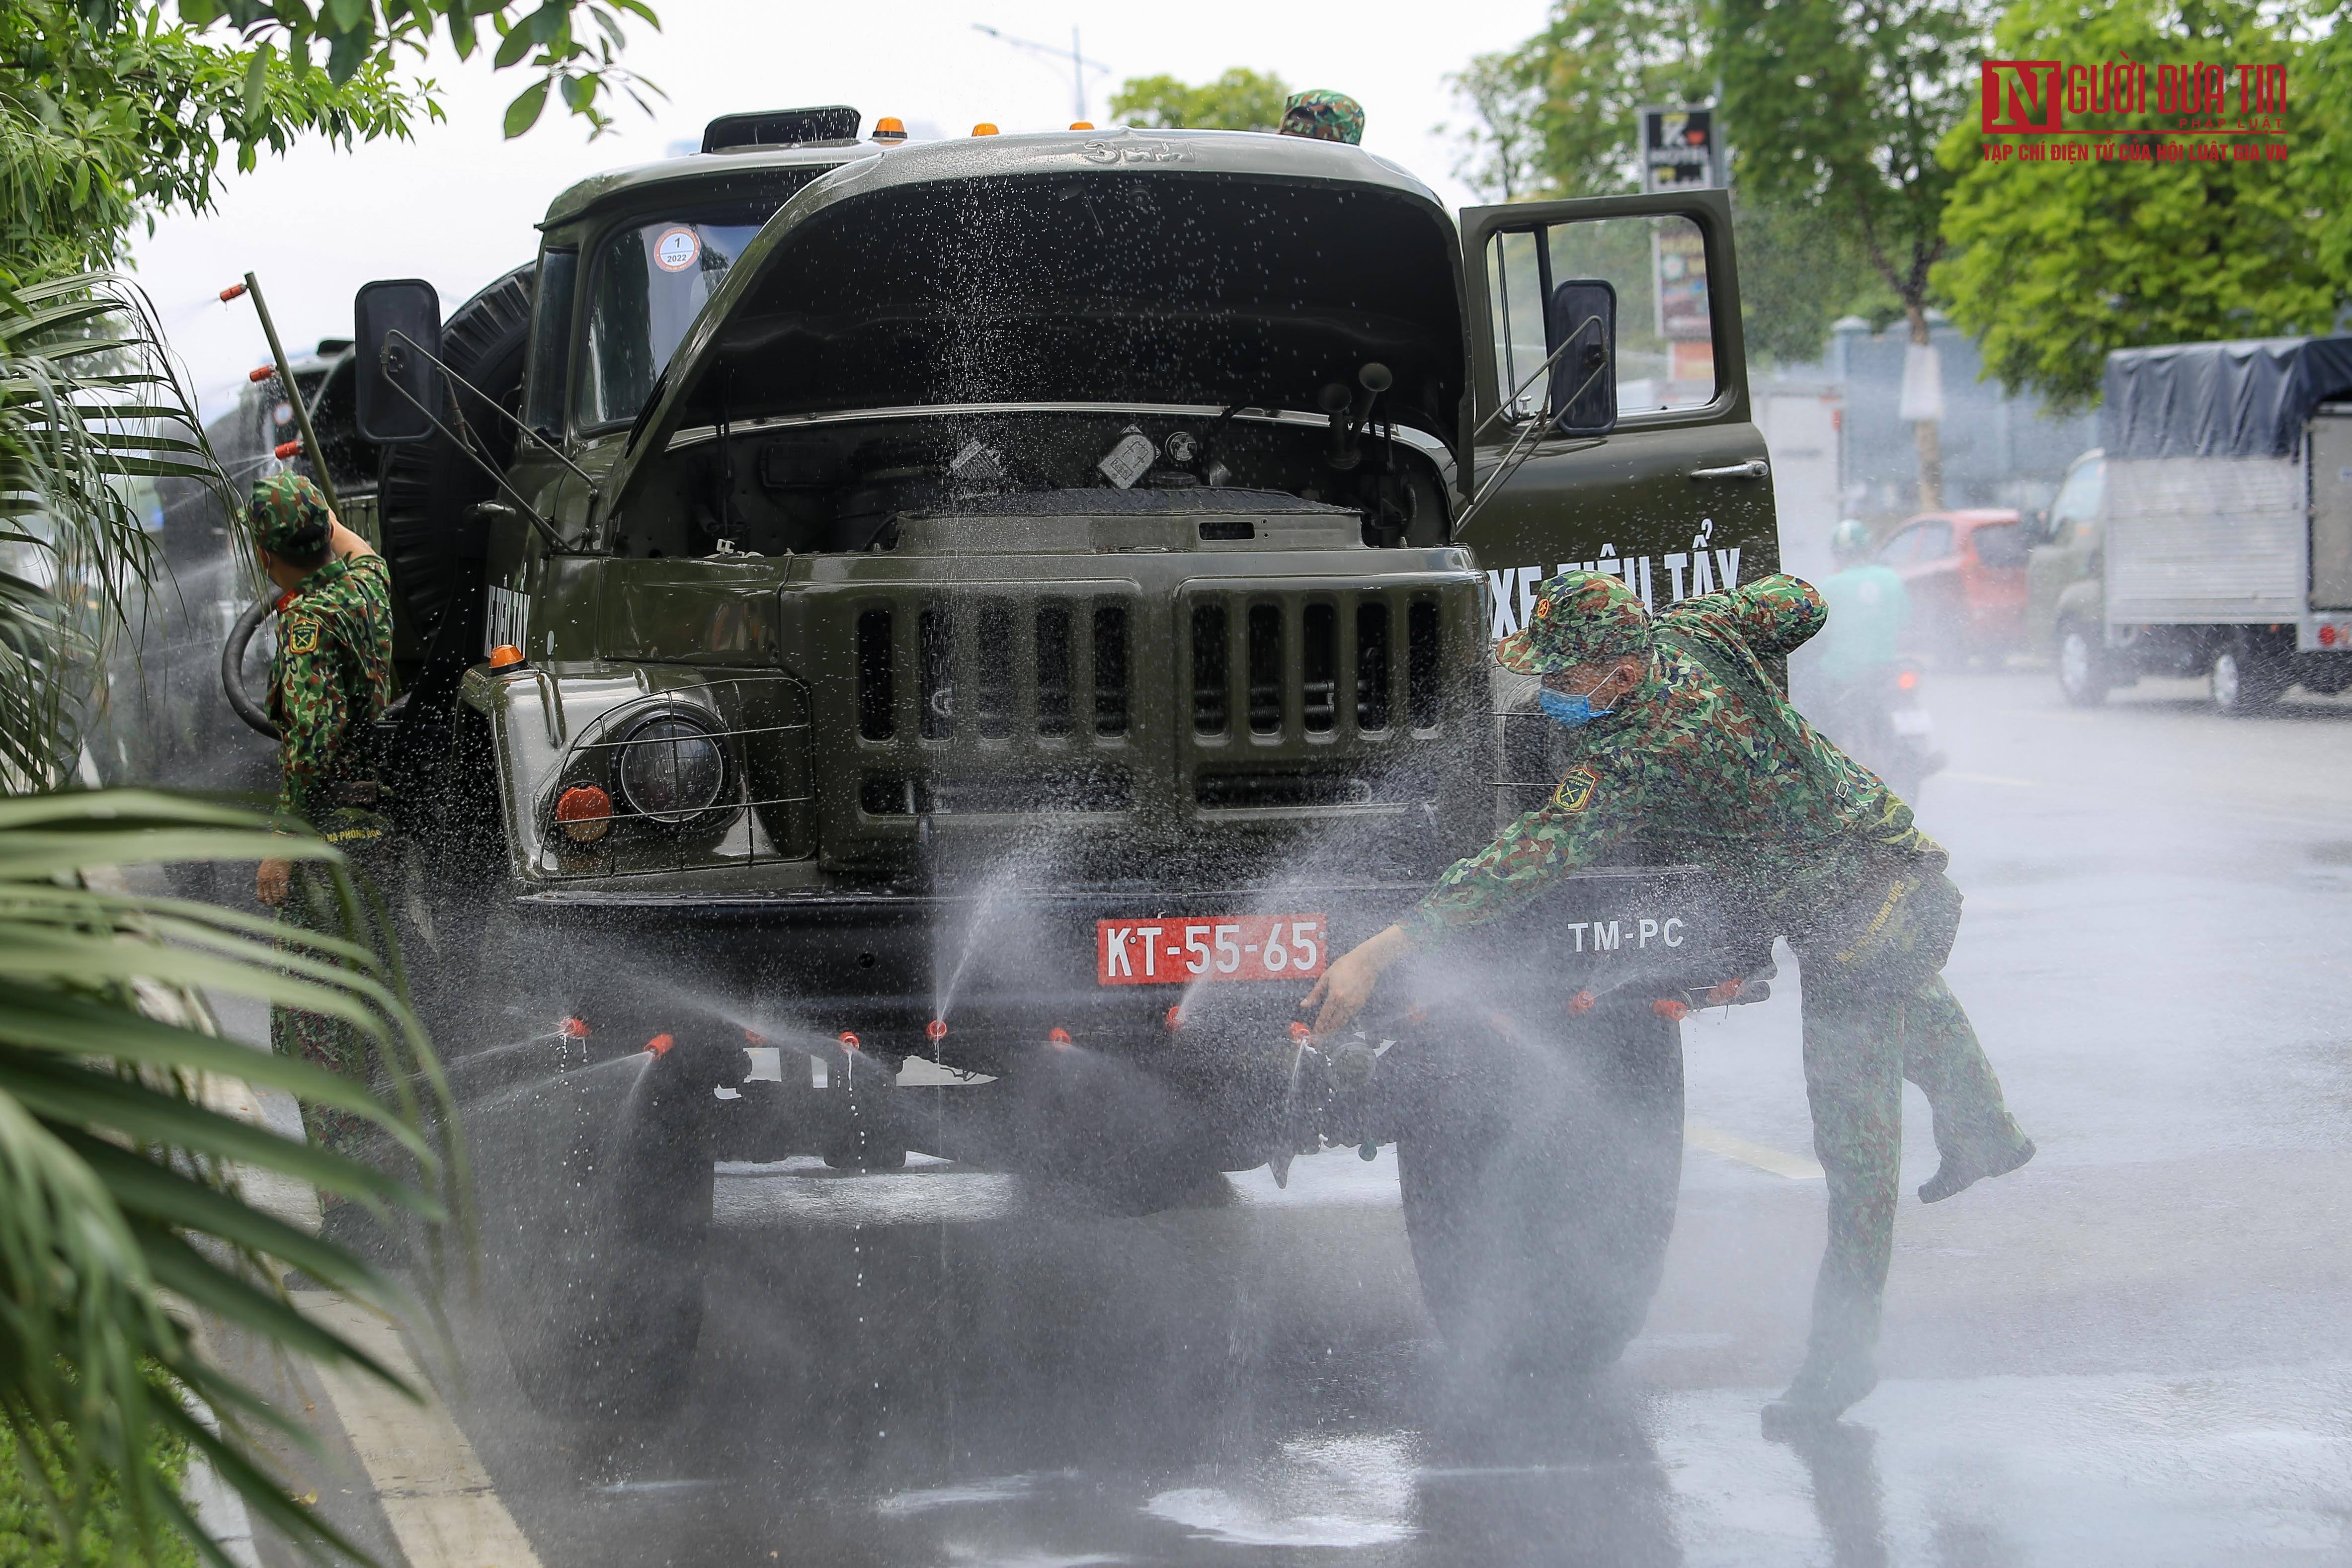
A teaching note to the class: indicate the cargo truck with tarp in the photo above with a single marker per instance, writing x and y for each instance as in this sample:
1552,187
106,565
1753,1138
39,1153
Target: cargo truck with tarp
2222,544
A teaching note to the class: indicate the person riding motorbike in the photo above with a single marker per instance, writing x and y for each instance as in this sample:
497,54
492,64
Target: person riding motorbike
1859,691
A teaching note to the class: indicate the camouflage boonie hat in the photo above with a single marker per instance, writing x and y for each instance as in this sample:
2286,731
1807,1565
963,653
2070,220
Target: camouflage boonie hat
1324,115
1580,618
288,516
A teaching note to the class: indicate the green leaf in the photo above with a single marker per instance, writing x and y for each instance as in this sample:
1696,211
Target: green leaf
86,1099
257,80
512,49
75,1026
347,51
524,111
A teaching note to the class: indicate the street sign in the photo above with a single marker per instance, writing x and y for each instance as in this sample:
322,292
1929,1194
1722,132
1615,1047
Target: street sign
1679,150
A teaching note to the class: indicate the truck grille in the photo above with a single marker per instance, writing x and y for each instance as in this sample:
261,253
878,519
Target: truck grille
967,662
1317,666
1285,694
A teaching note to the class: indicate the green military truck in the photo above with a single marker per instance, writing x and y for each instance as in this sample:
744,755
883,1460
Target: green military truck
934,648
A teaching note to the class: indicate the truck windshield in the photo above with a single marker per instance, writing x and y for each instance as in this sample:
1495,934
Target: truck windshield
650,280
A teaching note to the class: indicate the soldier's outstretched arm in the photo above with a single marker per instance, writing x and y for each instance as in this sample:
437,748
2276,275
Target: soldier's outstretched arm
1775,614
1578,826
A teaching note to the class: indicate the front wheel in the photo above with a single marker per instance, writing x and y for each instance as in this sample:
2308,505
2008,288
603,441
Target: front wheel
595,1188
2083,677
2246,678
1539,1168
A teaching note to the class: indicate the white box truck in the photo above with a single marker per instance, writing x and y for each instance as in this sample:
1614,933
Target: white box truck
2223,533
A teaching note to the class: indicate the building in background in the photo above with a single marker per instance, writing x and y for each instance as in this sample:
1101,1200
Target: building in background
2000,448
1801,416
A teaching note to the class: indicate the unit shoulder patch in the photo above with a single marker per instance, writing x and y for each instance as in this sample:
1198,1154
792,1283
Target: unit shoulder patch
301,635
1575,791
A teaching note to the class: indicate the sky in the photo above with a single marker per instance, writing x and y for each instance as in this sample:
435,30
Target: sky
456,204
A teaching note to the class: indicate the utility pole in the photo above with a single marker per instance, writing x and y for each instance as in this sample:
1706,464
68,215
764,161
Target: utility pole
1079,64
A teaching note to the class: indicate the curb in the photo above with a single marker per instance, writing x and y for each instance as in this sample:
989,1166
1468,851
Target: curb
219,1512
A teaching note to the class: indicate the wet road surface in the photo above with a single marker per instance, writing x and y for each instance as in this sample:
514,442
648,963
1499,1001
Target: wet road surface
2131,1352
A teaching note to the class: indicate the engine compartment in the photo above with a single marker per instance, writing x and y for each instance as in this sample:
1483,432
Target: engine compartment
841,484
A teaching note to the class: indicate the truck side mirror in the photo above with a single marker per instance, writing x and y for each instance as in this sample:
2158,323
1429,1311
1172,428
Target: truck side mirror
1583,392
397,325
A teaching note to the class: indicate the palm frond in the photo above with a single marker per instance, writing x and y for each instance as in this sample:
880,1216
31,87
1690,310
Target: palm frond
89,401
118,1184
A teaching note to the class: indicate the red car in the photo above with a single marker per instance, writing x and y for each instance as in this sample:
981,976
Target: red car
1964,572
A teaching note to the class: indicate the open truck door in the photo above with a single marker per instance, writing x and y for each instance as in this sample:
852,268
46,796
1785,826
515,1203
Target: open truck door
1610,426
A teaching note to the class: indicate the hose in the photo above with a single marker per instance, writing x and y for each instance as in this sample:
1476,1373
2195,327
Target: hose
233,668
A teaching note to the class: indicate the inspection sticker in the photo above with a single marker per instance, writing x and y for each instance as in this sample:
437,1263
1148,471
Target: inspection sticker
1167,951
677,249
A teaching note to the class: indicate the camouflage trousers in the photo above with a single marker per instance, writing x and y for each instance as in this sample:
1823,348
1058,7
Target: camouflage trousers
311,906
1876,1012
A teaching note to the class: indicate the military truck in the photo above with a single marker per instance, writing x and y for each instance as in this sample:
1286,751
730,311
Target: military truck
935,647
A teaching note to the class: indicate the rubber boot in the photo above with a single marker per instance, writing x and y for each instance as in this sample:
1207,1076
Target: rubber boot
1841,1362
1823,1392
1961,1170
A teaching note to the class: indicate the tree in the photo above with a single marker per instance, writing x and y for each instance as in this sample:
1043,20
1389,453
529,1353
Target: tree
98,130
575,56
1560,116
1241,100
2057,263
1843,103
1583,80
1502,149
2325,156
110,112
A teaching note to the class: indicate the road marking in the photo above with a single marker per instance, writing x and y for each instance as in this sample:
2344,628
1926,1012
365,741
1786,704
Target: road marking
1991,779
428,1480
1770,1161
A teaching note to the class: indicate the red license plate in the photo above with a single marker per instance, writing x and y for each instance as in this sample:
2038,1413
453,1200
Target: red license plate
1171,952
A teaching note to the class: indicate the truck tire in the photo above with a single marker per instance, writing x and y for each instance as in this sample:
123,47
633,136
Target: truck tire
1096,1128
2247,679
425,487
1539,1169
2084,677
594,1186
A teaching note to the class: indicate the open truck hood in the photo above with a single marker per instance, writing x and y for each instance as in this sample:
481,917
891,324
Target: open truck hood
1197,267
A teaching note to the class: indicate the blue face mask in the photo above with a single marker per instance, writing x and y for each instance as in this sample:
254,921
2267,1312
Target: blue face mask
1573,710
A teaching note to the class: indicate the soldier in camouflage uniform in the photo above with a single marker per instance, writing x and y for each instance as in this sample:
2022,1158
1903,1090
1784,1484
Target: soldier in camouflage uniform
330,680
1682,731
1322,115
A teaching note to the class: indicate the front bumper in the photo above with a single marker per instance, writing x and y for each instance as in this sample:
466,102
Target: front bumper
1002,966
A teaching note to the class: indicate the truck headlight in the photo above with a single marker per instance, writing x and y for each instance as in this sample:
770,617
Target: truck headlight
671,769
